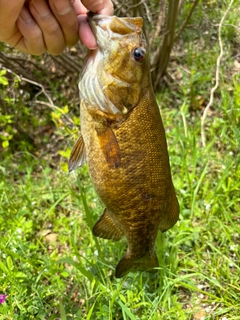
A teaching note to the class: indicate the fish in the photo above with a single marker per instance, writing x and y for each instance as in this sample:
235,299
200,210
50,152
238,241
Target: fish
123,142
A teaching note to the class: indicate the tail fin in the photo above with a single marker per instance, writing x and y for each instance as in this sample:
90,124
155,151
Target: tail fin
129,263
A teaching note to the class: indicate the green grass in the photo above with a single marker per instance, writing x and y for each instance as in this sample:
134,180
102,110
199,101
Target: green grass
52,267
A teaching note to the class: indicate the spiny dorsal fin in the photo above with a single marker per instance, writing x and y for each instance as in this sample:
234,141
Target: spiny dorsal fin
130,263
78,155
106,228
109,146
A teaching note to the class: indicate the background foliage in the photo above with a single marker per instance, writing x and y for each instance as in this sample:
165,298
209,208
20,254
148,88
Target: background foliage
51,266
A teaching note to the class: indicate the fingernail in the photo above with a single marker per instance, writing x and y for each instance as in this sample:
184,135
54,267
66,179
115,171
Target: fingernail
63,6
41,7
92,48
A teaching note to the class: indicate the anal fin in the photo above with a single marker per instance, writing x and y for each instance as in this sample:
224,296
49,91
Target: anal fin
106,228
78,155
130,263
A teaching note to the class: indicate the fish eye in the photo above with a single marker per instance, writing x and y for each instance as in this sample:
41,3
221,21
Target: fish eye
139,54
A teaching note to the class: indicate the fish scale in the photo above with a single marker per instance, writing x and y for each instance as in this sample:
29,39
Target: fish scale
126,151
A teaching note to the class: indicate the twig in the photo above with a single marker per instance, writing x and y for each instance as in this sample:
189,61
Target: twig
161,57
148,13
159,23
5,61
18,60
204,116
20,78
187,20
50,103
53,107
70,64
181,3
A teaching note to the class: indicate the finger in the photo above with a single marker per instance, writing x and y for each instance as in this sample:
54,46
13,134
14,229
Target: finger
100,6
52,32
66,16
79,7
85,32
31,40
9,12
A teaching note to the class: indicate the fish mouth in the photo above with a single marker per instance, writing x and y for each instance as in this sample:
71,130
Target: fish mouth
99,26
96,16
100,20
113,25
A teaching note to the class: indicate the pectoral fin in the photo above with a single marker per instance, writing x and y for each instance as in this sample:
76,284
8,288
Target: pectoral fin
78,155
109,146
106,228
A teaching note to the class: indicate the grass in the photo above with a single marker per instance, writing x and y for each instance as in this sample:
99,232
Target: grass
52,267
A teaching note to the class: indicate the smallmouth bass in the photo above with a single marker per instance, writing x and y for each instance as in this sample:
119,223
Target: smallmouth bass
123,142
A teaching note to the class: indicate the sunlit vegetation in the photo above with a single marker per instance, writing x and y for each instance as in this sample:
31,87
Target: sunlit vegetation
51,266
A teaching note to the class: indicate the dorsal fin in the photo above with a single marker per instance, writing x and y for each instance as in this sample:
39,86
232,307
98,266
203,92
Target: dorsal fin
78,155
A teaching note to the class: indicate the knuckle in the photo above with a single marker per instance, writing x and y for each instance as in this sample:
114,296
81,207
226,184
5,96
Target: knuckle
35,33
51,28
48,24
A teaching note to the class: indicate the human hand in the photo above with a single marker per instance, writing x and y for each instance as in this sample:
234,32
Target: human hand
82,7
37,26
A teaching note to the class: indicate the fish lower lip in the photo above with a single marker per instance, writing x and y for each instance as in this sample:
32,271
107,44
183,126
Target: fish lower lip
98,20
91,21
92,15
96,17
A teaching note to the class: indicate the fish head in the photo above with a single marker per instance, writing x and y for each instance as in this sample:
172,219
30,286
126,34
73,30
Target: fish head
120,61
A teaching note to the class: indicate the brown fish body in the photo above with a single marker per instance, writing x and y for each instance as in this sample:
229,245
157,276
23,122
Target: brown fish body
126,151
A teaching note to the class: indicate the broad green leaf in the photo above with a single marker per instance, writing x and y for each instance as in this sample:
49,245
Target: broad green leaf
9,263
5,144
